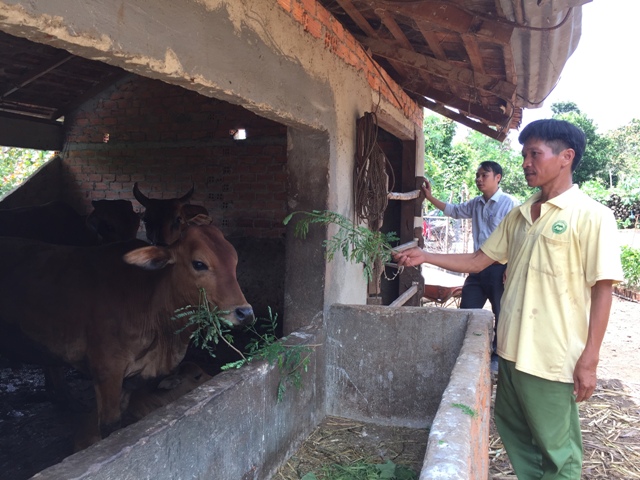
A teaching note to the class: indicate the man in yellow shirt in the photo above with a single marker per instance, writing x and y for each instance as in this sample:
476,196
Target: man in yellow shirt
563,259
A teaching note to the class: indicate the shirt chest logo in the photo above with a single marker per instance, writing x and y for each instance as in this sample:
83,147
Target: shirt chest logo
559,227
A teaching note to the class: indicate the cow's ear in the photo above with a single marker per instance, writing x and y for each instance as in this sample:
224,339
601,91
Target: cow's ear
150,258
200,219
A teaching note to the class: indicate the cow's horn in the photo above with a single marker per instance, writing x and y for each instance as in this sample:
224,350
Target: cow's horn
139,196
187,196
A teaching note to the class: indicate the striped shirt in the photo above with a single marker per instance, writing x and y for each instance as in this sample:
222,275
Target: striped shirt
485,215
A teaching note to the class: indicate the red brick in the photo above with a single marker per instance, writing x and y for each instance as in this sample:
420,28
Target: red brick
310,7
298,12
323,16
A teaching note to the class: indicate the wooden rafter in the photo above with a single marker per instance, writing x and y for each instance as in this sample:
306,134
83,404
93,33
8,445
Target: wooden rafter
475,58
455,19
357,17
433,41
469,108
34,75
499,135
464,76
399,35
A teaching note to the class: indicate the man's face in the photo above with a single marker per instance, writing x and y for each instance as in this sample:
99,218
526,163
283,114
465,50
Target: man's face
541,166
487,181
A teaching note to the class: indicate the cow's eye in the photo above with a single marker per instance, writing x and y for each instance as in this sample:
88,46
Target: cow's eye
199,265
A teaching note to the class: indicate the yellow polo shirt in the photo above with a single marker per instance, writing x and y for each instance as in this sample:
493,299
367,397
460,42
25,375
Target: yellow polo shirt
553,263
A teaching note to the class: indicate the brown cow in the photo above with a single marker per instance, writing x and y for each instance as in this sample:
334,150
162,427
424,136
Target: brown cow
139,403
110,315
57,222
164,219
113,220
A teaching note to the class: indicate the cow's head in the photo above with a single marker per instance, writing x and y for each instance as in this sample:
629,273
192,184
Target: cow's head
201,258
113,220
164,219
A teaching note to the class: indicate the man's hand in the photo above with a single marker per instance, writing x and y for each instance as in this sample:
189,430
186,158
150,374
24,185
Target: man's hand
426,189
409,258
584,377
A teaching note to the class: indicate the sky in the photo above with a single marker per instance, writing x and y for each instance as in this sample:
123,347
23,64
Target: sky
601,77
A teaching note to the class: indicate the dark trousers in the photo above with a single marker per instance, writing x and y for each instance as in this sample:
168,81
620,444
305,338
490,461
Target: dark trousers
482,286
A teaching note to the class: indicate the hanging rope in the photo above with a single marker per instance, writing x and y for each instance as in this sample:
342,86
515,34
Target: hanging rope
371,181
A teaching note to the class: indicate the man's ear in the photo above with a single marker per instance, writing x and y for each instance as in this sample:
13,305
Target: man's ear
499,177
567,156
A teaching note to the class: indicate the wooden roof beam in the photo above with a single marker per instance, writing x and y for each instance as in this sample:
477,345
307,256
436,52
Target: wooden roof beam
34,75
475,57
399,35
433,42
357,17
464,76
366,27
499,135
434,45
453,18
471,109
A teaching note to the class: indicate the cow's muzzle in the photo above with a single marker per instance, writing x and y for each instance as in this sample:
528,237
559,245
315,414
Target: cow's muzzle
244,315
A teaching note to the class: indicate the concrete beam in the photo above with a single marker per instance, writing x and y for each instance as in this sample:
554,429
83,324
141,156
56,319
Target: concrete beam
22,132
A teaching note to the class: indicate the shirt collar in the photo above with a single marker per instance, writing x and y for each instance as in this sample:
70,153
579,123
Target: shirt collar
495,197
565,198
561,201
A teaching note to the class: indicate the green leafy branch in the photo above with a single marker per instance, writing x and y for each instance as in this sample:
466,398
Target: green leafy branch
208,323
630,258
291,360
210,327
357,244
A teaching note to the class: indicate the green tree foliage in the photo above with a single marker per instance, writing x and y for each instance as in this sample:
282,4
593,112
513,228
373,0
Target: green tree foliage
16,164
609,171
625,159
451,167
483,148
631,266
595,160
438,145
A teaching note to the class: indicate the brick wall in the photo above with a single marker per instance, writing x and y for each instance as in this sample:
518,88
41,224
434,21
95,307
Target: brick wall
168,138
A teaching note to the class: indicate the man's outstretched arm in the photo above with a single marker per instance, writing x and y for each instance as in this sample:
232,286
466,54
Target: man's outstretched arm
455,262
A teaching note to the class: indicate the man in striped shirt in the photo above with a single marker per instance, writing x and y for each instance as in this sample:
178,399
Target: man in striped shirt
486,211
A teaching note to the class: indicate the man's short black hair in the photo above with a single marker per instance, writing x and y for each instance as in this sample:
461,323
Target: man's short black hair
491,166
558,135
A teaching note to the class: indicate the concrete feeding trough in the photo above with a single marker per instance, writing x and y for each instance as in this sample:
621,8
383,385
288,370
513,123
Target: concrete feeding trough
410,367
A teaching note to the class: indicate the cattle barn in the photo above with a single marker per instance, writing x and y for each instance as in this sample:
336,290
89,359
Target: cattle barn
260,105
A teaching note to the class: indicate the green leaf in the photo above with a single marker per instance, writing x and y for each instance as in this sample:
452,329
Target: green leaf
357,244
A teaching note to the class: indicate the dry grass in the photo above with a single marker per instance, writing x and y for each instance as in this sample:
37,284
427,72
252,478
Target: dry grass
610,423
346,442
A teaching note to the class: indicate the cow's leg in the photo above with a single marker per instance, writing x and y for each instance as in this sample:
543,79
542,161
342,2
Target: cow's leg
108,388
58,390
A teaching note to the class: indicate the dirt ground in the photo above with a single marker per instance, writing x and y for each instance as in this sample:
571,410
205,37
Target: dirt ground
620,354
